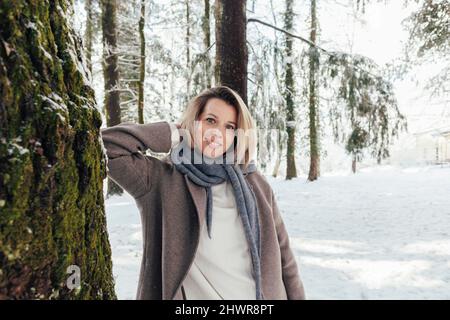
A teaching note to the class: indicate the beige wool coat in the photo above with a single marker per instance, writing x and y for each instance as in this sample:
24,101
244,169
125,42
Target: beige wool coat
172,210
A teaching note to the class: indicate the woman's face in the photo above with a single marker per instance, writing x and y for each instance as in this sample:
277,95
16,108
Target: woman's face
215,128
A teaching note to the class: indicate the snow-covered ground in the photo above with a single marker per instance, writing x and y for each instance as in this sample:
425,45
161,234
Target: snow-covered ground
383,233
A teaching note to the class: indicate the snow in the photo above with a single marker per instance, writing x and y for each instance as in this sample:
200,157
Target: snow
380,234
124,228
76,53
31,25
55,102
13,147
46,53
21,149
80,65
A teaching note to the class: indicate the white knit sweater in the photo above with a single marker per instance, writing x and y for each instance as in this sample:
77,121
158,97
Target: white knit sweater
222,267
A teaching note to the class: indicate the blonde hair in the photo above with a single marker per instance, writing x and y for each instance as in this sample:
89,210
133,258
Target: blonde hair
245,146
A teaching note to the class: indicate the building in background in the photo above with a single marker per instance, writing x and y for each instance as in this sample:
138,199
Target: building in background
433,146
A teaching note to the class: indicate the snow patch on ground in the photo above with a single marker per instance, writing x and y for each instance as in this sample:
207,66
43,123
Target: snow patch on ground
383,233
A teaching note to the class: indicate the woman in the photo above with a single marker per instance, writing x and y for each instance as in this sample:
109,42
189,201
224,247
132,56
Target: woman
211,225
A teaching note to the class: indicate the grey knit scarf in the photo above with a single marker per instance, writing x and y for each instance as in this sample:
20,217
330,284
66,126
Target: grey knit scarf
206,172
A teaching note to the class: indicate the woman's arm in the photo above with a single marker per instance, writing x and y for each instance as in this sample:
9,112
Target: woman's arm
125,146
291,278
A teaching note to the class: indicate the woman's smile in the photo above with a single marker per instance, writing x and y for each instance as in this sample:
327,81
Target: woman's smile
213,144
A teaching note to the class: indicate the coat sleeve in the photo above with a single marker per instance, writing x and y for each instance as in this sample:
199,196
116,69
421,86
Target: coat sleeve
125,146
291,278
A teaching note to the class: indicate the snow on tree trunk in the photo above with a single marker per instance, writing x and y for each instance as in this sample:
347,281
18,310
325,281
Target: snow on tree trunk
52,162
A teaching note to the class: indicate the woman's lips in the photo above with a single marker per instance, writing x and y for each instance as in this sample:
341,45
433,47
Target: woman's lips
214,145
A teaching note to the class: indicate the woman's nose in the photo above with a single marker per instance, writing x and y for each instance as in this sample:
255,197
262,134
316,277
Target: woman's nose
212,135
216,136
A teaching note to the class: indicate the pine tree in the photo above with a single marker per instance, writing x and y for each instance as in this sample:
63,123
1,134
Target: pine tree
429,42
369,105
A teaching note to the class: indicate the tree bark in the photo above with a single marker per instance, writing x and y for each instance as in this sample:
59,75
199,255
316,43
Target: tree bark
231,45
278,154
207,42
188,51
111,73
313,114
291,170
142,65
52,163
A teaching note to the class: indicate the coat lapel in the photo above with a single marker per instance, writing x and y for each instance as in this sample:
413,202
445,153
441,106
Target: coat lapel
175,264
172,262
198,195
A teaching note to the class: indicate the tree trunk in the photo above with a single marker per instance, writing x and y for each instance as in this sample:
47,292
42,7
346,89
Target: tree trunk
231,45
279,155
189,70
318,141
89,33
354,165
313,116
207,42
111,73
291,170
276,168
142,65
52,165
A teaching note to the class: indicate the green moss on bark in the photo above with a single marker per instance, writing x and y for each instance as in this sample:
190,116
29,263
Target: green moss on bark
51,161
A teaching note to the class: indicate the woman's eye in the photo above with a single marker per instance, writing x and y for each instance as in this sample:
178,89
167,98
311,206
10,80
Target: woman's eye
210,120
230,127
